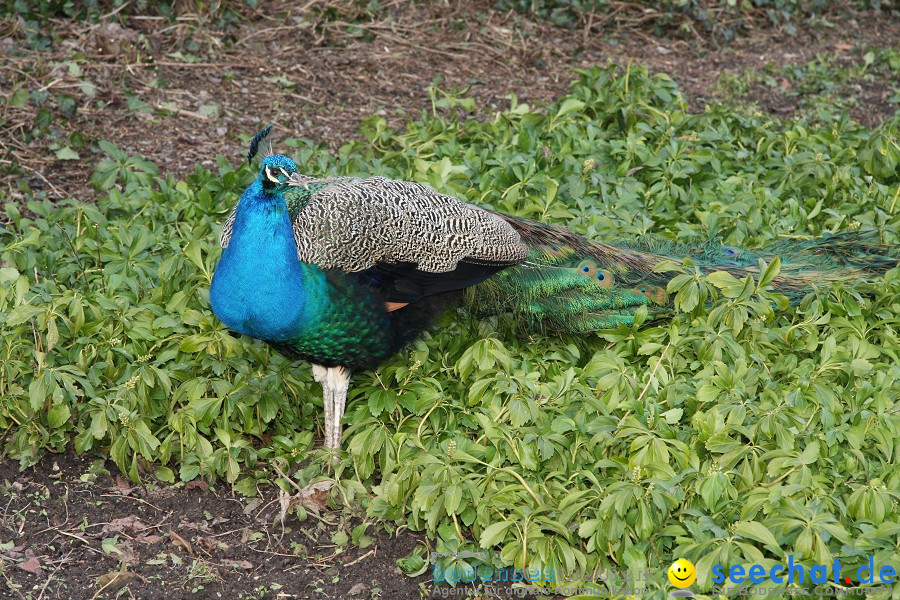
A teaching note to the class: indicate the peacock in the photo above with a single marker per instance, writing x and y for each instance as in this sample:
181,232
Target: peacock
343,272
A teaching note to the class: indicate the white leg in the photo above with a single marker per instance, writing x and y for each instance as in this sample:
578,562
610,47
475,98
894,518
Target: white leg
335,383
340,383
320,374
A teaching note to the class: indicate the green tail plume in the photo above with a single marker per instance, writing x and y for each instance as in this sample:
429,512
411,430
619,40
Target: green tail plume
573,284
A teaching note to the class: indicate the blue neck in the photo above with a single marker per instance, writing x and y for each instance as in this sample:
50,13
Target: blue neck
258,288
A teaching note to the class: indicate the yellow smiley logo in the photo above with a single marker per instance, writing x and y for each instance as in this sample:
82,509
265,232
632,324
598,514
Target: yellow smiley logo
682,573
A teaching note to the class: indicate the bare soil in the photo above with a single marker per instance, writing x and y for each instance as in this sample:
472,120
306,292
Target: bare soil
189,541
180,93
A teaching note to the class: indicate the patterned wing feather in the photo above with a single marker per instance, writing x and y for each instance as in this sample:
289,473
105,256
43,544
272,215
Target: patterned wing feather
354,225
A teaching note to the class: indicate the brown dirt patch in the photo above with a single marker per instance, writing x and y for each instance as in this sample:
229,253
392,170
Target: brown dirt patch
318,78
188,541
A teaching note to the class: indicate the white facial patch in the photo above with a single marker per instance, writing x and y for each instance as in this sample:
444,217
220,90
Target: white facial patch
271,177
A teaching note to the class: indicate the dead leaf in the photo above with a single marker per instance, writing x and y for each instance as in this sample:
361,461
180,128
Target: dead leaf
32,565
202,526
112,39
316,494
180,541
211,543
252,506
357,589
218,521
843,47
241,564
148,539
130,524
122,486
197,484
116,579
129,556
286,501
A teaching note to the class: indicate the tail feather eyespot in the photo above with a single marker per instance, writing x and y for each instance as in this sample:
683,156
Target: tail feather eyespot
554,250
589,268
656,293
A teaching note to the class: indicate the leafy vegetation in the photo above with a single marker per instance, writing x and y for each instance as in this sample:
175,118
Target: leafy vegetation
821,85
729,433
40,11
725,20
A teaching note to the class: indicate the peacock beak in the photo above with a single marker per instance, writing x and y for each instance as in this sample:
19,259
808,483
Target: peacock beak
297,180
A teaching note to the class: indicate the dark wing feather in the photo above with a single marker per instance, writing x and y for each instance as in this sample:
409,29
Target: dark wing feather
404,282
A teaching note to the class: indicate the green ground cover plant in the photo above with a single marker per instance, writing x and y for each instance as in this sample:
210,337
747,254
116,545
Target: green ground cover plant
731,432
822,85
723,19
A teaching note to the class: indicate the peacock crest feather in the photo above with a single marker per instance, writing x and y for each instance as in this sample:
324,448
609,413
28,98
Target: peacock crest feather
255,141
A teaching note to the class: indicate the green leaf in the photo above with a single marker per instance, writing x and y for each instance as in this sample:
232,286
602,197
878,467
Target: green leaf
108,545
18,98
860,366
759,532
493,534
770,272
164,474
707,393
723,279
413,565
569,105
58,415
340,538
452,498
194,253
21,314
66,153
673,415
246,486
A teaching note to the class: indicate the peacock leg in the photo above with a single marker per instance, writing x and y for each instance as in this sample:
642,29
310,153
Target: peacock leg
335,383
320,374
339,383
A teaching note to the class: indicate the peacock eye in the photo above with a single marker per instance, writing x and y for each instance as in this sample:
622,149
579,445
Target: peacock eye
585,268
600,276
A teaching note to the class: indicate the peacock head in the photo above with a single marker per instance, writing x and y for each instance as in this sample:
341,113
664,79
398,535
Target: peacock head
277,173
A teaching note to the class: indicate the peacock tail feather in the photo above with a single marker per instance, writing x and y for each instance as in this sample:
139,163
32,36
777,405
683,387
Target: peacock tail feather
573,284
